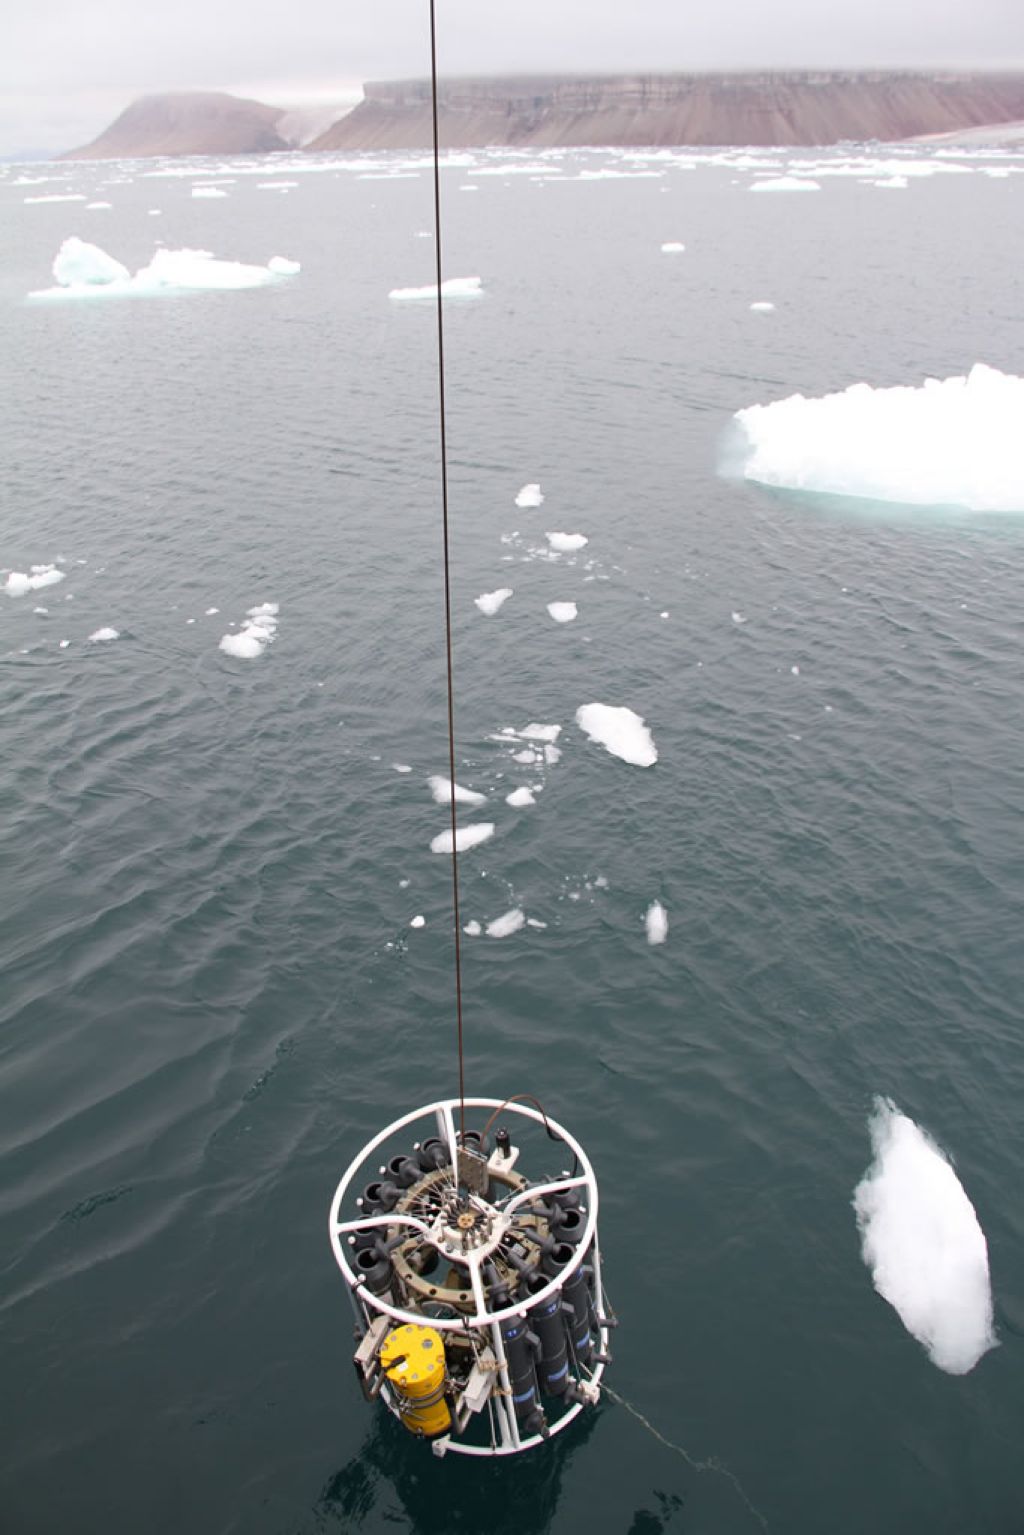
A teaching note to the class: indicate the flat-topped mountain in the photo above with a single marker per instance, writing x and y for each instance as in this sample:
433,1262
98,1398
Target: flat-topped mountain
187,123
792,107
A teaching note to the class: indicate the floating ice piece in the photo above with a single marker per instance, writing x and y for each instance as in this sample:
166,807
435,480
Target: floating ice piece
64,644
91,206
530,495
256,633
509,922
84,270
533,922
473,928
418,921
19,581
567,543
465,837
490,602
656,923
528,756
786,184
106,633
562,612
208,192
955,441
552,754
620,731
893,183
921,1240
401,767
441,789
536,732
58,197
672,247
40,610
210,612
520,797
453,287
738,618
762,306
79,262
795,670
284,266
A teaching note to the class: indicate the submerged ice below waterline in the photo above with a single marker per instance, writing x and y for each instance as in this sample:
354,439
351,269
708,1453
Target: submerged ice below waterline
951,442
922,1242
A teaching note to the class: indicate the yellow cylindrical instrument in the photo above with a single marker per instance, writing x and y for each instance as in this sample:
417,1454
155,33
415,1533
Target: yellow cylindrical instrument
412,1358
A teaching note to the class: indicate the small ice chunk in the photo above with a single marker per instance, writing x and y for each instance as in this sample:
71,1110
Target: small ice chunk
562,612
527,756
64,644
530,495
921,1239
520,797
91,206
795,671
283,266
567,543
535,732
245,645
453,287
509,922
490,602
401,767
20,581
533,922
656,923
552,754
738,618
786,184
106,633
208,192
620,731
473,928
441,789
403,884
465,837
40,610
210,612
672,247
762,306
418,921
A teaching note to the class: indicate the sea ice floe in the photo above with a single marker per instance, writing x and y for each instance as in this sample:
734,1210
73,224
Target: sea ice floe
465,837
552,754
949,442
257,632
441,789
106,633
84,270
21,581
656,923
922,1241
672,247
567,543
490,602
620,731
786,184
520,797
509,922
562,612
530,495
452,287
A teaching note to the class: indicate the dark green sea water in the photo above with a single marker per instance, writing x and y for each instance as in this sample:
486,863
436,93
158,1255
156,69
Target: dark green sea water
211,994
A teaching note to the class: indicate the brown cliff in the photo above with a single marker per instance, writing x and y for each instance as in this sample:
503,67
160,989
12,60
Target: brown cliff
793,107
187,123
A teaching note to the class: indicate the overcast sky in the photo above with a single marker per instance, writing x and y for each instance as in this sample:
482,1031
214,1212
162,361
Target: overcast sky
67,67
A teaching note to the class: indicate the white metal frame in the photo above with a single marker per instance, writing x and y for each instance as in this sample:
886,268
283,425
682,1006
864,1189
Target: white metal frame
365,1302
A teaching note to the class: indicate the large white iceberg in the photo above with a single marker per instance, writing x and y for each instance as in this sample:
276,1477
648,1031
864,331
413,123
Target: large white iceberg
922,1242
947,442
79,262
84,270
